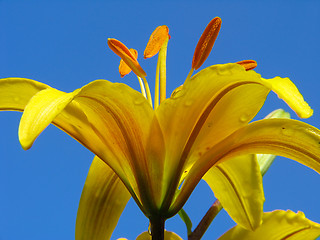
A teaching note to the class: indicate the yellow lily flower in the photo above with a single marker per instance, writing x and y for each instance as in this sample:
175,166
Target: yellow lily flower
158,155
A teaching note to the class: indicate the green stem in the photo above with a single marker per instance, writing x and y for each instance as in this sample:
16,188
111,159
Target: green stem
157,228
206,221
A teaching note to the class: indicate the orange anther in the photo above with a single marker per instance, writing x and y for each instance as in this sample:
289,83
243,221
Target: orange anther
122,51
124,69
157,39
206,42
248,64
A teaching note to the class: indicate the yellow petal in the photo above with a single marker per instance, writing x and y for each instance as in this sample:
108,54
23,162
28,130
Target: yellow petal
122,118
287,91
284,137
237,184
40,112
112,120
211,105
15,93
103,199
167,236
265,160
278,225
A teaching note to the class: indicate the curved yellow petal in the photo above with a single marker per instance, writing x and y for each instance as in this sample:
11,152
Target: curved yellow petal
237,184
103,199
167,236
15,93
40,112
122,118
110,119
278,225
287,91
211,105
284,137
219,100
234,110
265,160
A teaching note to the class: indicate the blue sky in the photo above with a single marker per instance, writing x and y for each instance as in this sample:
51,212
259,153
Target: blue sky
64,45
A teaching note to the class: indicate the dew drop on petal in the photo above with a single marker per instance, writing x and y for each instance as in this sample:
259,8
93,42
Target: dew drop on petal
224,71
244,118
188,103
139,101
178,94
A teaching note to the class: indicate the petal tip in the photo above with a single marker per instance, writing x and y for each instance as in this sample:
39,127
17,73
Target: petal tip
25,144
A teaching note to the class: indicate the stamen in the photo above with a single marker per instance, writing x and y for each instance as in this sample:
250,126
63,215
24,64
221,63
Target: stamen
124,69
163,69
147,90
157,39
158,42
122,51
206,42
143,90
248,64
157,85
189,75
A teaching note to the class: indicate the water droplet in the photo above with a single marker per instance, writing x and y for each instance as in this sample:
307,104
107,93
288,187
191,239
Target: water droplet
188,103
139,101
244,118
224,71
177,94
16,99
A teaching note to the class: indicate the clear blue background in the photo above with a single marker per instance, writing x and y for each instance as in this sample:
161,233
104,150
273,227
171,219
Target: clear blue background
63,44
